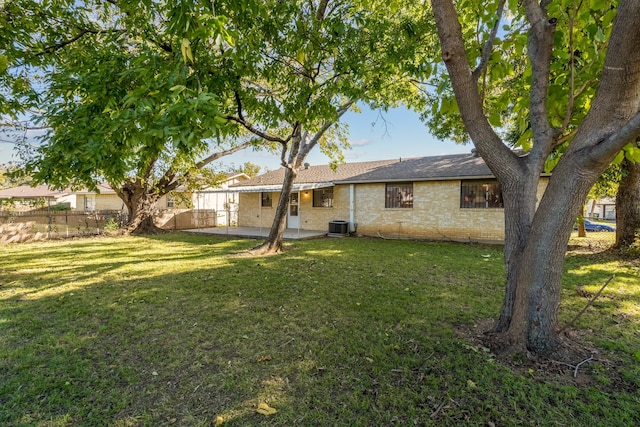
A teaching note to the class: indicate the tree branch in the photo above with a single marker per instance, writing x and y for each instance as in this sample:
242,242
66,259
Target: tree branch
306,148
251,128
572,76
540,49
215,156
488,46
82,33
500,159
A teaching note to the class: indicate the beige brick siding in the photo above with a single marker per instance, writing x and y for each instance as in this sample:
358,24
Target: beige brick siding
250,214
436,213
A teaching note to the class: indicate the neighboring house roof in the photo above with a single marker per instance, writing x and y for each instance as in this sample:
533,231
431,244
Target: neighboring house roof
236,175
103,188
605,201
453,166
28,192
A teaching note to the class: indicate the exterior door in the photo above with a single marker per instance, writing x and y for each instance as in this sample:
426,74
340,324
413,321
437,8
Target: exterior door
293,217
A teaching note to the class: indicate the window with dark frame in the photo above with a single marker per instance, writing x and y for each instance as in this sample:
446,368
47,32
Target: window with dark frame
171,201
266,200
323,197
399,195
480,195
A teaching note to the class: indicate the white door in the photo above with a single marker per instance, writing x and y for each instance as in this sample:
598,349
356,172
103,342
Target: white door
293,217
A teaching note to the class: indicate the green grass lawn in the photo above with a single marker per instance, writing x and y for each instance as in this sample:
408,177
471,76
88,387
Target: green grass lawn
182,330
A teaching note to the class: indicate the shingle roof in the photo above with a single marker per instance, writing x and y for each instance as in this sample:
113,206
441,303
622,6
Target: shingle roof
453,166
28,192
316,174
413,169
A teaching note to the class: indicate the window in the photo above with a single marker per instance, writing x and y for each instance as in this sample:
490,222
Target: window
266,200
480,194
399,195
171,201
323,198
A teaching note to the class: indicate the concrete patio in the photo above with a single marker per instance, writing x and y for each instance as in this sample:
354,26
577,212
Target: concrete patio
258,233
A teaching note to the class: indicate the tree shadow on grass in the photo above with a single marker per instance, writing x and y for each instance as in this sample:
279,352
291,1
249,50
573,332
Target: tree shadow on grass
328,333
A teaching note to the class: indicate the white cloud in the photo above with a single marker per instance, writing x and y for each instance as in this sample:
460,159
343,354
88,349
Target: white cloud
360,142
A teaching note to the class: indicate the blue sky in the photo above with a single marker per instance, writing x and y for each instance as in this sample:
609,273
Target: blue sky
397,133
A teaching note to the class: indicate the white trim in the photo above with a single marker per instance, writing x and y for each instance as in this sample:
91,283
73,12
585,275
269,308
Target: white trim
274,188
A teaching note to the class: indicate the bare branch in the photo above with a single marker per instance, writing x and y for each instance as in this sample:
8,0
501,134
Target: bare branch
540,48
588,304
322,7
215,156
258,132
488,46
316,137
572,76
251,128
561,140
489,144
82,33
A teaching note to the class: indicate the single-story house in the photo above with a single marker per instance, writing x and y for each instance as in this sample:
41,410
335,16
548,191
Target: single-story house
449,197
105,199
220,201
40,196
601,209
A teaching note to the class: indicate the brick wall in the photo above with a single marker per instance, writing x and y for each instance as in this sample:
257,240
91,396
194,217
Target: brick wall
436,213
250,214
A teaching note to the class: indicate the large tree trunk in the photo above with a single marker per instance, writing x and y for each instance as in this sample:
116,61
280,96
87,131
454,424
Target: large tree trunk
273,244
140,202
539,276
628,206
536,243
519,208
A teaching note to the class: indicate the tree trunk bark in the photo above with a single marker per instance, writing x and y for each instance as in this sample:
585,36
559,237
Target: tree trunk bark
273,244
582,231
519,208
535,244
628,206
140,203
534,322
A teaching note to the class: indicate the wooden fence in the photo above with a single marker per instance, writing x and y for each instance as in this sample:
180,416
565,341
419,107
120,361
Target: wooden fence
50,224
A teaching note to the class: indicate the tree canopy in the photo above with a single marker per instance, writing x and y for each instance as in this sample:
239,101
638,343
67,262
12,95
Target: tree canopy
119,96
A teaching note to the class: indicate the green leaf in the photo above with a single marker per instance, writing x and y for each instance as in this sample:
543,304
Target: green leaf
618,159
4,63
632,153
495,119
599,36
185,46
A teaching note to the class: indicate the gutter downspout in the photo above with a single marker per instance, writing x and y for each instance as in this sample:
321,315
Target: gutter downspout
352,208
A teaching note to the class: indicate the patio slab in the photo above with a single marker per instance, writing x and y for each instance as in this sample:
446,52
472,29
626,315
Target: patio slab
258,233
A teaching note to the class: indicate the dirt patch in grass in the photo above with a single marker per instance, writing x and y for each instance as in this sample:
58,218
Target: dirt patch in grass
577,363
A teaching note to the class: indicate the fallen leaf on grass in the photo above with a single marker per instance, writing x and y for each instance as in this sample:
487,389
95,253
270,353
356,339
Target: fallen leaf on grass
219,420
265,409
265,358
